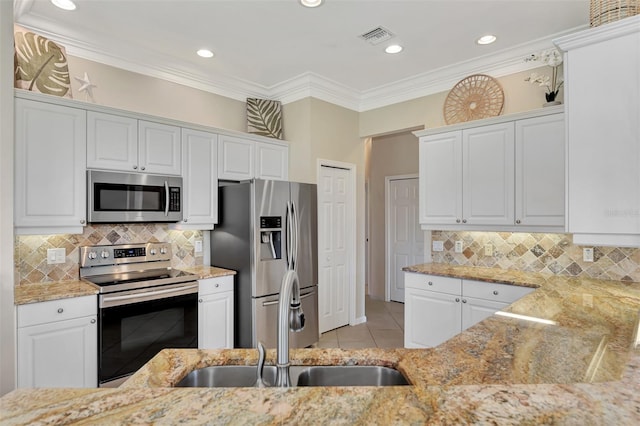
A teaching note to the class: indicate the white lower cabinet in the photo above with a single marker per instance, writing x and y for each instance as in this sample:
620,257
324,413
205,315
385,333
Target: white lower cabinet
58,343
215,313
437,308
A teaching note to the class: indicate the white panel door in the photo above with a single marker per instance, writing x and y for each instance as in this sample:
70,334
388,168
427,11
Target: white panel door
405,237
488,175
272,161
333,262
200,178
235,158
112,142
215,321
159,148
430,318
475,310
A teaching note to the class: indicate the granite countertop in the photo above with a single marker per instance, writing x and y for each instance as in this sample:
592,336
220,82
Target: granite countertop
584,368
42,292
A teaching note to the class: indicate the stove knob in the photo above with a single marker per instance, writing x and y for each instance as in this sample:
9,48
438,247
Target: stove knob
92,255
163,250
104,254
153,252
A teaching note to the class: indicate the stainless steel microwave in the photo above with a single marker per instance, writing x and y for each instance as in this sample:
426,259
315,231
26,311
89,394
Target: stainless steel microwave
114,197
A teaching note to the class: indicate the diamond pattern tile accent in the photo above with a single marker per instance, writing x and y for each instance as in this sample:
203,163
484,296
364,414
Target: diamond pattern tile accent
546,253
30,251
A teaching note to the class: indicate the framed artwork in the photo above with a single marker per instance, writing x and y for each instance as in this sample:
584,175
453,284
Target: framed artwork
264,117
39,64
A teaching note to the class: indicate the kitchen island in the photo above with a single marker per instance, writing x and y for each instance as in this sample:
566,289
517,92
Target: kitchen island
583,367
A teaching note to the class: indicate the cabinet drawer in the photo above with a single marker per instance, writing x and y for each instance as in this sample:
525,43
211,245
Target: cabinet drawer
492,291
215,285
57,310
446,285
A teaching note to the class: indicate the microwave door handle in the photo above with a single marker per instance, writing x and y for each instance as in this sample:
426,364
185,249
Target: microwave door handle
166,198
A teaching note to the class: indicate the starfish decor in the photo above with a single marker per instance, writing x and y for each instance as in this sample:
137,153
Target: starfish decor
86,86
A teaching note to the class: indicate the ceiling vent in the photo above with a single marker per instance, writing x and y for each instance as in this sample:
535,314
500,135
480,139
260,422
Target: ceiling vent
377,35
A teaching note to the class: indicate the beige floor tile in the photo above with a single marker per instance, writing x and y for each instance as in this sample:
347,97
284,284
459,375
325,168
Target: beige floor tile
358,344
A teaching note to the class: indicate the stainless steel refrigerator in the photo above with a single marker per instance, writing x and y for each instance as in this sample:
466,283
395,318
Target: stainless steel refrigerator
263,226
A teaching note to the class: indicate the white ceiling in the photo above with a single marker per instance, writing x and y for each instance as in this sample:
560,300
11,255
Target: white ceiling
280,50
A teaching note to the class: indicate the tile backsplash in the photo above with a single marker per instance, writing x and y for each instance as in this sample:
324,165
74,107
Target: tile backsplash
30,251
546,253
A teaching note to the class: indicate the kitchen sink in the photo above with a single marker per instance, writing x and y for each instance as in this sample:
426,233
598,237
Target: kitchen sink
317,375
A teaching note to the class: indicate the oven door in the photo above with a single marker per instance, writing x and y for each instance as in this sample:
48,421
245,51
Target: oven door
136,325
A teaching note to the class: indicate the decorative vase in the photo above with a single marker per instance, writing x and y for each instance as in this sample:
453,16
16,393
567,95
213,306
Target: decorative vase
551,99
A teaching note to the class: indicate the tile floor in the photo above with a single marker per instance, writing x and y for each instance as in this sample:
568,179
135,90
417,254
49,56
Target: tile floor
384,328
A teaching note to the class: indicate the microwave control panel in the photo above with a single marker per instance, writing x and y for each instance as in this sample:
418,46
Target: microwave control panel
174,199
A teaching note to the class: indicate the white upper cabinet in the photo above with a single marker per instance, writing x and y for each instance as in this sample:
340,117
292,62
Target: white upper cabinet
487,175
159,148
200,179
505,173
112,142
50,164
235,158
243,158
602,96
540,171
440,179
122,143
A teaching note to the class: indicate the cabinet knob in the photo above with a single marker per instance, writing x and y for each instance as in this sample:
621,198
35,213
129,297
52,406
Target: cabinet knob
464,220
82,221
184,220
93,321
518,222
200,300
495,292
430,283
457,299
217,285
135,167
457,220
464,300
60,310
142,168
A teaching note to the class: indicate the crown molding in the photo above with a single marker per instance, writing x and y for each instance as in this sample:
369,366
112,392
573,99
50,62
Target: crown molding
302,86
623,27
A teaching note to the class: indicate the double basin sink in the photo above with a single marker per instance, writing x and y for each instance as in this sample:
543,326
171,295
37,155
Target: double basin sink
246,375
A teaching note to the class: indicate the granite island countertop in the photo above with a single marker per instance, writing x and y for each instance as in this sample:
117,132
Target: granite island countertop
582,369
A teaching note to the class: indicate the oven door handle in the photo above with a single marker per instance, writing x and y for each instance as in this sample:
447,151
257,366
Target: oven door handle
146,294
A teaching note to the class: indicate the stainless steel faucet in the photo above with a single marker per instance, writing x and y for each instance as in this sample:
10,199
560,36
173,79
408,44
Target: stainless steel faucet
290,316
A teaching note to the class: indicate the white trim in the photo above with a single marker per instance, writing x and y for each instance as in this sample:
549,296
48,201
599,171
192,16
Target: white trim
629,25
351,241
387,230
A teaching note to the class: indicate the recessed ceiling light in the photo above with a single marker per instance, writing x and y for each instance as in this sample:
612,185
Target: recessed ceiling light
64,4
311,3
394,48
205,53
486,39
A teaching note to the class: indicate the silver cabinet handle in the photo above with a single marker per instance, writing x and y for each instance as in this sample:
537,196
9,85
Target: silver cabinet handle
142,168
495,292
457,220
464,220
457,299
60,310
200,300
430,283
464,300
93,321
135,167
217,285
518,222
184,220
82,221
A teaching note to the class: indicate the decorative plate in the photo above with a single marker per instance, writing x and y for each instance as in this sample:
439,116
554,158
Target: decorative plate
474,97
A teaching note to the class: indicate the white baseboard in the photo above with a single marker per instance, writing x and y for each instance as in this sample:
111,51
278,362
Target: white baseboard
360,320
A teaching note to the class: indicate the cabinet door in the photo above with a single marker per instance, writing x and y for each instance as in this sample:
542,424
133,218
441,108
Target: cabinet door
59,354
431,318
200,178
540,170
112,142
603,123
235,158
475,310
440,179
159,148
50,168
272,161
215,321
488,175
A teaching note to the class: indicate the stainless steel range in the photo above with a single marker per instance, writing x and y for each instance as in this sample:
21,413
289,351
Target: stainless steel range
144,305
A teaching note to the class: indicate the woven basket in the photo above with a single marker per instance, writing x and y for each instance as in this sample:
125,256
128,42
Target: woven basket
604,11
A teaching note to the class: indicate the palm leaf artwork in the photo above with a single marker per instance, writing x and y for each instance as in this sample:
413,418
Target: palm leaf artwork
40,64
264,117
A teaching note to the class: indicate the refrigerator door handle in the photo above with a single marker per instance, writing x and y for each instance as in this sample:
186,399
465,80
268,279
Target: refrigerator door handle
288,241
294,214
